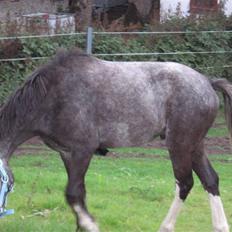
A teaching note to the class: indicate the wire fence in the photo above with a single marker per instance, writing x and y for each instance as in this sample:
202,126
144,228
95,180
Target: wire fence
122,54
89,43
114,33
41,36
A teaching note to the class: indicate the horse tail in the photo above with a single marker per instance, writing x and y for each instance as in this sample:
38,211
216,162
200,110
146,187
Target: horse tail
225,87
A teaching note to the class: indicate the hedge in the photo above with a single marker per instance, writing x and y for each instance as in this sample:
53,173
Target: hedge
13,74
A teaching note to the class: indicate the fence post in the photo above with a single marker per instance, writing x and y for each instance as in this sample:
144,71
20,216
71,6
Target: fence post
89,45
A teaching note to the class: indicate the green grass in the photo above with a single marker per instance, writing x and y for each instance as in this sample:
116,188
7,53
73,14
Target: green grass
124,194
220,130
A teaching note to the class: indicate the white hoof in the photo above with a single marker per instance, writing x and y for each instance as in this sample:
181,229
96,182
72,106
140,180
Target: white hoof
85,221
223,228
166,228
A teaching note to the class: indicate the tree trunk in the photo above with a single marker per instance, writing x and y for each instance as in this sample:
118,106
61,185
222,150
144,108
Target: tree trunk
83,11
142,11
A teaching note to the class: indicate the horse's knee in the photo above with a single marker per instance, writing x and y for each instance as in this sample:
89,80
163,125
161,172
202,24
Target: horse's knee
209,178
72,199
75,194
185,185
212,183
182,168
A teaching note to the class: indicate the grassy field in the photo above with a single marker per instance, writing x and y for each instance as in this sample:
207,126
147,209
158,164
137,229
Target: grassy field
124,194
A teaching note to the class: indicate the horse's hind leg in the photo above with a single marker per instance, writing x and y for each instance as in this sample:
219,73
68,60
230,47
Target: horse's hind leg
182,167
210,181
76,164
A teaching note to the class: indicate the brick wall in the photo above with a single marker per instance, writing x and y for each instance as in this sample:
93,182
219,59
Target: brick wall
16,8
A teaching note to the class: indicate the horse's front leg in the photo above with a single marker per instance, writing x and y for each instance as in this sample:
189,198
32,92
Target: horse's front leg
76,165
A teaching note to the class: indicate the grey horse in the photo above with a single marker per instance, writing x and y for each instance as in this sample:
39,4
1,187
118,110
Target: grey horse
79,104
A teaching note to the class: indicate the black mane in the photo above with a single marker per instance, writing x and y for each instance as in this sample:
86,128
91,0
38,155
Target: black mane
23,102
26,100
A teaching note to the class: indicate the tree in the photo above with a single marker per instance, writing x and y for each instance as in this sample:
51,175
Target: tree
142,11
74,5
83,11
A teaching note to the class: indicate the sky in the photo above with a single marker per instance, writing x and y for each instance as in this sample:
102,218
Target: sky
171,5
228,7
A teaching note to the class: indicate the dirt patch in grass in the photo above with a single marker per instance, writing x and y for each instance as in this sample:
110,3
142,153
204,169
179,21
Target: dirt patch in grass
214,145
32,146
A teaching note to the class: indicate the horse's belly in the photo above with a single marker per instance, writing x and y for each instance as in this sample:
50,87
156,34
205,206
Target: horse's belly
132,116
124,134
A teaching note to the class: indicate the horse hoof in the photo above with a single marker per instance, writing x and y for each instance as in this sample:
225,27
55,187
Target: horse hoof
166,229
222,229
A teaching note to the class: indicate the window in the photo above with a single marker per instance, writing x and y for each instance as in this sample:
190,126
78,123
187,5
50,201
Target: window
202,6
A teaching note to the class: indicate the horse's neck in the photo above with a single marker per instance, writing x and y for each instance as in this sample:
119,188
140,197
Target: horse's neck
11,141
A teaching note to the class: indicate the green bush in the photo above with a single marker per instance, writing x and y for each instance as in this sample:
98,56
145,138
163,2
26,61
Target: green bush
12,74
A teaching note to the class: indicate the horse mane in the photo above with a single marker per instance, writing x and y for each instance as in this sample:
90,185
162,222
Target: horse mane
63,54
24,103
